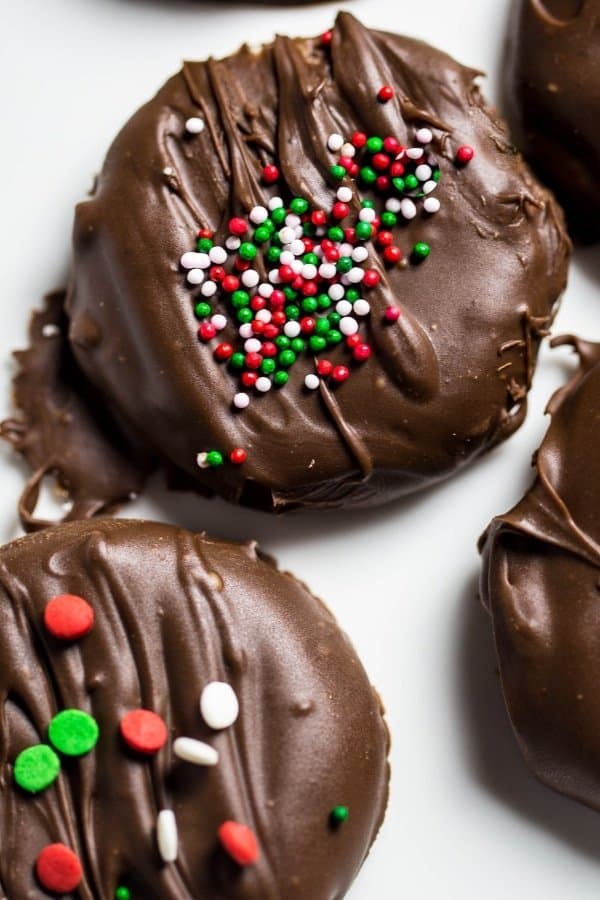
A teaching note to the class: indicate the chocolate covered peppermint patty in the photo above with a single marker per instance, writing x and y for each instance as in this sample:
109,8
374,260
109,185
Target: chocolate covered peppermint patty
180,721
541,584
315,274
553,85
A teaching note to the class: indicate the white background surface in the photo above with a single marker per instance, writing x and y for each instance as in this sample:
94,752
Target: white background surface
466,821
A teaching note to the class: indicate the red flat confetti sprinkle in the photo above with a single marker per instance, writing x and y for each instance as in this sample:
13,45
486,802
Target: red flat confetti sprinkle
238,456
385,93
58,869
340,373
270,174
239,842
68,617
392,313
143,731
464,155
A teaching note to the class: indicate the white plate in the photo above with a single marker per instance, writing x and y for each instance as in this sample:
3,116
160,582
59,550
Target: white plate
466,821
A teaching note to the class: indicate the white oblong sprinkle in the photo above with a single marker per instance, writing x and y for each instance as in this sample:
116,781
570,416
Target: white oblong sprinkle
335,142
241,400
193,260
291,329
348,325
218,702
196,752
424,135
218,255
361,307
423,172
311,381
166,835
431,205
408,208
263,384
195,276
344,194
194,125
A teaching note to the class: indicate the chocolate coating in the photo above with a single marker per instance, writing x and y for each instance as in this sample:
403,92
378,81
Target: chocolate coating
553,87
174,611
444,384
541,583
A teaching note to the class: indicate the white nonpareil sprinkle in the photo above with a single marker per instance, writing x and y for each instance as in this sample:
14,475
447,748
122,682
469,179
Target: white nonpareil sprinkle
232,242
367,214
208,289
245,330
265,290
348,150
414,152
311,381
250,278
336,292
286,258
335,142
309,271
274,276
218,703
344,194
361,307
196,752
201,461
166,835
194,125
431,204
50,330
287,234
241,400
360,254
424,135
297,266
345,249
219,321
291,329
355,275
327,270
192,260
392,205
423,172
195,276
348,325
292,220
408,208
297,248
263,384
217,255
258,214
275,203
263,315
343,308
252,345
429,186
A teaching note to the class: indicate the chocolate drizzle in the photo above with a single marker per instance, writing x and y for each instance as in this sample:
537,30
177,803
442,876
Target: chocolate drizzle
433,395
541,583
174,611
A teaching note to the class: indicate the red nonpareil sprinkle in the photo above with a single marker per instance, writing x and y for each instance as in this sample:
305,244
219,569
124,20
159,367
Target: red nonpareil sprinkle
385,93
223,351
258,327
238,456
230,284
350,235
268,349
464,155
392,146
318,217
249,379
207,331
68,617
340,373
346,162
239,842
253,360
353,170
326,38
309,245
257,303
309,288
332,255
279,317
380,161
385,239
392,255
270,331
371,278
324,367
241,264
286,273
238,226
143,731
217,273
298,283
361,352
358,139
307,325
392,313
397,170
58,869
352,340
340,210
270,174
383,183
206,233
277,299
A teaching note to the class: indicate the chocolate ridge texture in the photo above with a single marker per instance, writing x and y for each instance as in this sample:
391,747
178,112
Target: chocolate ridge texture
541,581
444,383
553,92
173,612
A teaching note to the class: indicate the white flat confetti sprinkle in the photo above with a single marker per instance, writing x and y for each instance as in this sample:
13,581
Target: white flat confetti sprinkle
218,704
166,835
196,752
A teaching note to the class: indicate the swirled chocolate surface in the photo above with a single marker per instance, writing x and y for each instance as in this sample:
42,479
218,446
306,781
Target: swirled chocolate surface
553,86
173,612
444,383
541,583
